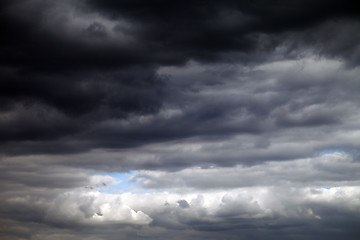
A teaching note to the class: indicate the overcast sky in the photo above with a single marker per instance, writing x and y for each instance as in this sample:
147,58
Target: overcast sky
138,119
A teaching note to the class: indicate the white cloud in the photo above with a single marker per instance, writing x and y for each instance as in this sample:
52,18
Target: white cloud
93,207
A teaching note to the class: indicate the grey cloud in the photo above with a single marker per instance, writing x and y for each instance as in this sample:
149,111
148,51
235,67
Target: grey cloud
96,29
327,170
79,85
280,211
227,104
183,203
343,42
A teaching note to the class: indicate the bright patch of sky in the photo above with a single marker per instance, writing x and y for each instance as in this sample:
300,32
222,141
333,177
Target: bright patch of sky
122,183
341,150
331,151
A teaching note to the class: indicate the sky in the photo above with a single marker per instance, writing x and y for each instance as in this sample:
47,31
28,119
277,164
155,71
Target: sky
135,119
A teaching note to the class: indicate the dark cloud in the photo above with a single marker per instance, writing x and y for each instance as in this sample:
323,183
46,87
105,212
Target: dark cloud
97,60
96,29
202,30
245,112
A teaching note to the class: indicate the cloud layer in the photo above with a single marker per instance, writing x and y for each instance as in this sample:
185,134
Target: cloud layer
183,119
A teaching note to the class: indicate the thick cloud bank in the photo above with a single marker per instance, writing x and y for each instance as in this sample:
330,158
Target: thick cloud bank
179,119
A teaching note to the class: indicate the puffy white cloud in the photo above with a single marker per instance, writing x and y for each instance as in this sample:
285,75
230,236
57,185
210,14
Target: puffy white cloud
83,207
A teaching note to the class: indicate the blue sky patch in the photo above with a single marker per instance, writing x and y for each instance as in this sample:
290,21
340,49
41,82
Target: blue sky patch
331,151
123,185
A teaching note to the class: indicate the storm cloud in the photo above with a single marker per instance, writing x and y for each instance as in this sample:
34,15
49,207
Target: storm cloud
183,119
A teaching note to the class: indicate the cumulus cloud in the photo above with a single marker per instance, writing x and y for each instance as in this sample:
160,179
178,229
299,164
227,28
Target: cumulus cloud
91,208
231,211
